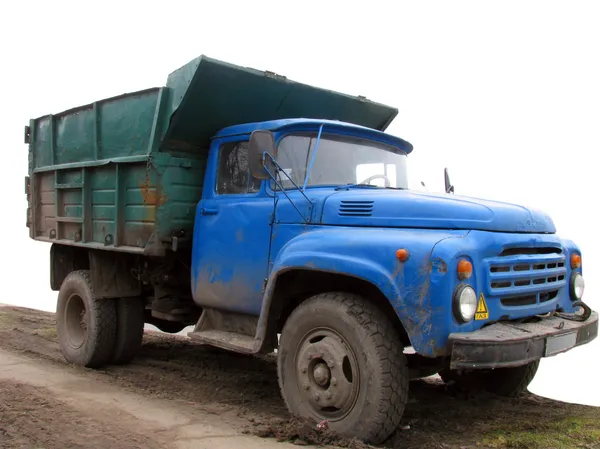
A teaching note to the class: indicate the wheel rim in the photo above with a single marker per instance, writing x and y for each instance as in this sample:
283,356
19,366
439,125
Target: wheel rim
327,374
76,321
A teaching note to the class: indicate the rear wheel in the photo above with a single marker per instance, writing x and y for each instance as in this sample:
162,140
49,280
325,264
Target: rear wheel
130,329
86,326
341,360
508,382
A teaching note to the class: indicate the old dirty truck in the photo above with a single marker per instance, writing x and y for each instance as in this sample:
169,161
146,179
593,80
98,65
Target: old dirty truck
275,215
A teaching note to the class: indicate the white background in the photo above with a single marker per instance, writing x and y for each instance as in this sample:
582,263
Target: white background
506,94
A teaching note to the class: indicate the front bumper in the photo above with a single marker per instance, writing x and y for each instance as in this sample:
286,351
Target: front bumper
503,345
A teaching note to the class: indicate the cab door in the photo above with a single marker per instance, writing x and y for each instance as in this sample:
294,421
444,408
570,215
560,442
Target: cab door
232,233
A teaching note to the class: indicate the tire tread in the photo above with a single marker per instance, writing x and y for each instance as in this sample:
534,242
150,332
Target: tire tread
101,338
507,382
130,330
388,353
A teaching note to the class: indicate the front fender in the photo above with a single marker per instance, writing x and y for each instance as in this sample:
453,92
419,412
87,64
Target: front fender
324,260
368,254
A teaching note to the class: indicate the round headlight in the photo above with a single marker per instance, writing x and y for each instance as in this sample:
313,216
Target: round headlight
465,303
577,286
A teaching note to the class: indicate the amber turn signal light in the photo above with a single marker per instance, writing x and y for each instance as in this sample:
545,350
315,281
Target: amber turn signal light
575,261
402,255
465,269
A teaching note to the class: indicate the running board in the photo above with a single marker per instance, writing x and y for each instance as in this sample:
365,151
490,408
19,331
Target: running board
227,330
226,340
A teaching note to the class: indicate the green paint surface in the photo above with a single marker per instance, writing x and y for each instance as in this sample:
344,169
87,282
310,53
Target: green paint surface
125,173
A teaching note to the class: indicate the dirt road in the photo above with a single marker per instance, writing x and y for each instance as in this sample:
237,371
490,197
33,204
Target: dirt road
179,395
46,406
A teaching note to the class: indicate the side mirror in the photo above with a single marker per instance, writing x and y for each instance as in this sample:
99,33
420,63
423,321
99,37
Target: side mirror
260,141
449,186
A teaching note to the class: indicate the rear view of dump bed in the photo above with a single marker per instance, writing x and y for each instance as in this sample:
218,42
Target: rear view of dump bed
126,173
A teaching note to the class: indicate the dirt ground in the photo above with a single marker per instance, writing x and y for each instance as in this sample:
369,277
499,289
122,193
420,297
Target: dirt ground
175,390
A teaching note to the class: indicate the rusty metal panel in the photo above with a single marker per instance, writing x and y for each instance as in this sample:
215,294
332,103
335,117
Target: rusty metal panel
98,180
124,206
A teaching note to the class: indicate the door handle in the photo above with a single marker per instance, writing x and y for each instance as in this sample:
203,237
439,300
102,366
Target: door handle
208,211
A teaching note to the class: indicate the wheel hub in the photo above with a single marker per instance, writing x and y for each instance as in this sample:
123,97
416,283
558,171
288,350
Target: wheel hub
321,374
76,321
327,374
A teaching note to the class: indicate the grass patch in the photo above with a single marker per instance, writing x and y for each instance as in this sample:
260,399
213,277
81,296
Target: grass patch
572,432
49,333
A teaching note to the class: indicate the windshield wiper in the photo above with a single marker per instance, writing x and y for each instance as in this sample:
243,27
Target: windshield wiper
368,186
360,186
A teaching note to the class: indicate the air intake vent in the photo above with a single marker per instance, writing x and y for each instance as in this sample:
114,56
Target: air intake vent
529,251
356,208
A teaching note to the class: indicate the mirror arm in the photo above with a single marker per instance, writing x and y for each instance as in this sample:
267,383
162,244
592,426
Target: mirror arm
274,178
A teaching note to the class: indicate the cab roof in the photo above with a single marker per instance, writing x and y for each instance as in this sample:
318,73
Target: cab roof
314,124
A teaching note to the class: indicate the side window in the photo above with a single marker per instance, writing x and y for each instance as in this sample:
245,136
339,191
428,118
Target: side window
233,173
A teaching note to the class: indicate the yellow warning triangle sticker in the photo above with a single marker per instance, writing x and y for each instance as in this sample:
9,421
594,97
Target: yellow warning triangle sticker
482,312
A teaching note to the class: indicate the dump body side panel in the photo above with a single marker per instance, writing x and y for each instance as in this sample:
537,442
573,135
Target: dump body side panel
125,173
97,178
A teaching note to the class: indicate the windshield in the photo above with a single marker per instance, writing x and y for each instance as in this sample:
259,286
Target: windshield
341,160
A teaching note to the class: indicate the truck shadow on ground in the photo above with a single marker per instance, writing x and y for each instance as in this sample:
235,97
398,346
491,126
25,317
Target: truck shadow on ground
244,389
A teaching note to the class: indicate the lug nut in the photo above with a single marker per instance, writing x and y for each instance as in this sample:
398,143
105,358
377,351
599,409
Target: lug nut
304,370
306,386
327,395
333,381
317,397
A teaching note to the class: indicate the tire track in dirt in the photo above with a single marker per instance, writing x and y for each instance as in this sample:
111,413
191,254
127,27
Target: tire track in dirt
33,417
243,391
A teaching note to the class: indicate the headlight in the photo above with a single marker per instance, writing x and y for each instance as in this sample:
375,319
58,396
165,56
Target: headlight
464,303
577,286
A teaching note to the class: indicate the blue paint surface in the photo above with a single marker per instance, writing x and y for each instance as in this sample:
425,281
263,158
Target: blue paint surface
289,125
231,245
259,236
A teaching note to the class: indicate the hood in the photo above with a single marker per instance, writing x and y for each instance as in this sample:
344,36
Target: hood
407,209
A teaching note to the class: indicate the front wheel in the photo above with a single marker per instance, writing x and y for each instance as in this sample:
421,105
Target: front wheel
508,382
341,360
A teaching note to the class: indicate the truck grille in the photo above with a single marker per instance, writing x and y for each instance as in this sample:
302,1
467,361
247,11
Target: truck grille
355,208
526,276
529,300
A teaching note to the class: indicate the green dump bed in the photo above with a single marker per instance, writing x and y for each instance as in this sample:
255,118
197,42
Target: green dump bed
126,173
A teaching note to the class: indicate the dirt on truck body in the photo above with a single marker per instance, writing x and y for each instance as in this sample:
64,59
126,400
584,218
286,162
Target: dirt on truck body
242,392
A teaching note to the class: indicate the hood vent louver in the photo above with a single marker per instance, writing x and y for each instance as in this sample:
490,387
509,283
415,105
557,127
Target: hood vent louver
355,208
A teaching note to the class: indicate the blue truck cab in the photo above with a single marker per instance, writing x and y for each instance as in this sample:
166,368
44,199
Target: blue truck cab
306,239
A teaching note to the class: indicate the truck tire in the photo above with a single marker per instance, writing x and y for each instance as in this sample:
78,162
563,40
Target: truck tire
507,382
86,326
341,360
130,330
